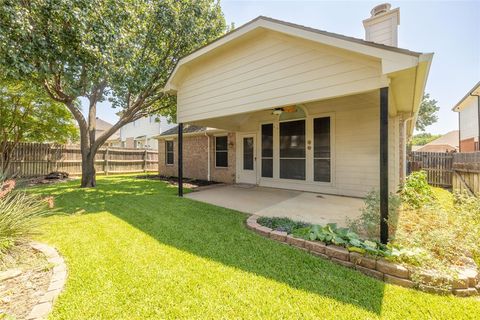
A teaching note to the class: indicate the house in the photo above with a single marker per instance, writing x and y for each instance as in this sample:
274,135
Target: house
141,133
468,109
297,108
100,127
449,142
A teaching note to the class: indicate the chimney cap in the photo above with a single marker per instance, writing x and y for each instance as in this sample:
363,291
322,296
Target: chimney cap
381,8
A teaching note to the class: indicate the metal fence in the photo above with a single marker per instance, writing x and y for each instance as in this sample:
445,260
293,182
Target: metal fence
37,159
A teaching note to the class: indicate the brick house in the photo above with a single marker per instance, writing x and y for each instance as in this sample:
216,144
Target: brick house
216,164
468,120
297,108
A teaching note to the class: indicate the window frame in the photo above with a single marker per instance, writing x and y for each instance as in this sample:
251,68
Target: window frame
312,117
215,151
167,152
305,179
272,158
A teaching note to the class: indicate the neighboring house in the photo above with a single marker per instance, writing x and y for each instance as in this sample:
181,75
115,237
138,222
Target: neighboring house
100,127
469,114
140,134
449,142
298,108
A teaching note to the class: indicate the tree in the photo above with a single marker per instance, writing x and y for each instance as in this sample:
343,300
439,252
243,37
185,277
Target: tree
422,139
427,113
27,113
123,50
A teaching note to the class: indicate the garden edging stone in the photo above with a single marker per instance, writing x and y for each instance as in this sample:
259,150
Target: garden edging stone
57,282
464,286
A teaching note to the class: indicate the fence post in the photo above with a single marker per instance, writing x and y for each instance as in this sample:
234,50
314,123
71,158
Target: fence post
145,161
105,162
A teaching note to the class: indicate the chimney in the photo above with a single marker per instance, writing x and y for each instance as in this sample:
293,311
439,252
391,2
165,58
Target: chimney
382,26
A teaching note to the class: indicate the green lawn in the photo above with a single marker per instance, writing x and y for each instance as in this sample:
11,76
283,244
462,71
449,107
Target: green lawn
139,252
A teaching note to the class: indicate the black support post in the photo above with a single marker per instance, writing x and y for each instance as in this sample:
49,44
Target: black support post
384,165
180,159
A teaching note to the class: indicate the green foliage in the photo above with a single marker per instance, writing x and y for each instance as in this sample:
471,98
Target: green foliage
27,114
416,192
368,224
140,252
128,47
19,218
281,224
440,234
123,50
427,113
422,139
331,234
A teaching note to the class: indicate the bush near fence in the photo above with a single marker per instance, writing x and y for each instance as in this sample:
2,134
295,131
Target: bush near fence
459,171
37,159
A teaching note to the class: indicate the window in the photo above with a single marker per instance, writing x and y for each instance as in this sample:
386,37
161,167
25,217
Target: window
169,152
248,155
321,150
267,150
221,152
292,150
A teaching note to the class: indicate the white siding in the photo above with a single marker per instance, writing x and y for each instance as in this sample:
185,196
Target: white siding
469,121
147,127
356,148
271,71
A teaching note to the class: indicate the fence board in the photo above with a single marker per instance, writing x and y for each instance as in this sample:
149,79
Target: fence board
437,165
37,159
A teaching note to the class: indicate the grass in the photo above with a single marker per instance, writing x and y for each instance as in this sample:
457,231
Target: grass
136,251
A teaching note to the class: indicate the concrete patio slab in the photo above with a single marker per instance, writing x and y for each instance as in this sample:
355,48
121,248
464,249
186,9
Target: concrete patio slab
271,202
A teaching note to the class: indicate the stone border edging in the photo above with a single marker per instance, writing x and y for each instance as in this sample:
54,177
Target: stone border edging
57,282
467,284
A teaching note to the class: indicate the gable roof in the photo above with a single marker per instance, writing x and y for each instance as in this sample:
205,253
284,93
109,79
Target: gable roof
395,58
188,128
449,138
475,91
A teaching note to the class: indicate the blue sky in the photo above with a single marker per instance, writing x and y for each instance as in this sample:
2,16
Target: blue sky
450,29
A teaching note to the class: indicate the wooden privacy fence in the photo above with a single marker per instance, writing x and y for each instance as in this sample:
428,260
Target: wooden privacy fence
467,172
437,165
37,159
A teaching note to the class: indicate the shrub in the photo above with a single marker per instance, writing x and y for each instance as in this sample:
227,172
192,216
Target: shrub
281,224
416,192
368,224
440,233
19,213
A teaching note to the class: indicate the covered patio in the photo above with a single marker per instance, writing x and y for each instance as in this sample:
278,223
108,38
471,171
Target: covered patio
271,202
304,110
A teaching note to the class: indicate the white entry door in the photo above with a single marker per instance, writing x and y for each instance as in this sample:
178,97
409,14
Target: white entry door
247,171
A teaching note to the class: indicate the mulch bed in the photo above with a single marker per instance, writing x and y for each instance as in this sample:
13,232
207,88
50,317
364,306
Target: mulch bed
19,294
187,183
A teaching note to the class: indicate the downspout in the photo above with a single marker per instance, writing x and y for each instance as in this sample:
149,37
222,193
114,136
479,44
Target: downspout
405,148
208,156
478,120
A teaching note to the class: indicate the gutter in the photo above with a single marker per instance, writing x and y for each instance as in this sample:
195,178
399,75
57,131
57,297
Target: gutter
404,155
208,156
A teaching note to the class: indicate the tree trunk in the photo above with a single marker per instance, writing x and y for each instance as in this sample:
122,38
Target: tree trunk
88,169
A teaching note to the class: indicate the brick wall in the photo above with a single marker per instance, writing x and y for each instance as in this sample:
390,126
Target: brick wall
195,159
467,145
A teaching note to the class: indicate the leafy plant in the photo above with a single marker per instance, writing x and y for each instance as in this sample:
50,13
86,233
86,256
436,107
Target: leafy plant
368,224
330,234
281,224
19,213
416,192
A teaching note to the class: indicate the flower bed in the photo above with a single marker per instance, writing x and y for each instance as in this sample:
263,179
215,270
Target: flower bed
466,283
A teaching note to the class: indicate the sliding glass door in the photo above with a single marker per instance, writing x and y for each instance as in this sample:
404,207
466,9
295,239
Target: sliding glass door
292,150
